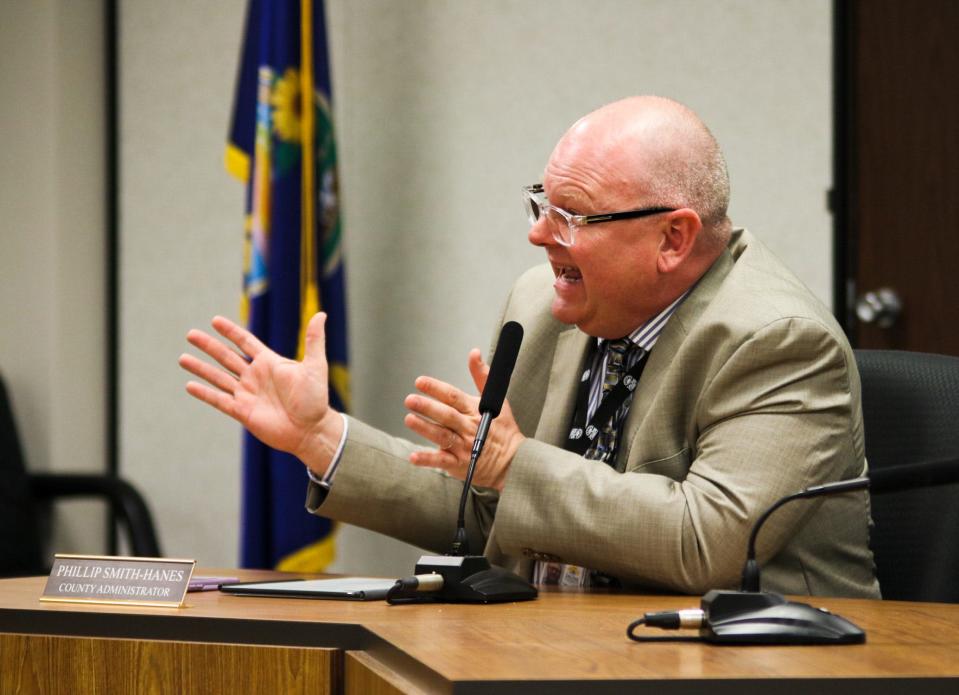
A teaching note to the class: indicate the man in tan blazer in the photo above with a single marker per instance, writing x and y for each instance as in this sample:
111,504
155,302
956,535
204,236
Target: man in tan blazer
749,393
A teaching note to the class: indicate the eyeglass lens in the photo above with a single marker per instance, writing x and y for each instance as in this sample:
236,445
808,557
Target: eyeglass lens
560,225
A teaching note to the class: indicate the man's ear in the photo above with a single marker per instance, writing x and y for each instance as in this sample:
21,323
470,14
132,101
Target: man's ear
679,239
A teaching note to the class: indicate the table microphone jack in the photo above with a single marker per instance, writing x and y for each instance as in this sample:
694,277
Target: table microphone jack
416,589
689,618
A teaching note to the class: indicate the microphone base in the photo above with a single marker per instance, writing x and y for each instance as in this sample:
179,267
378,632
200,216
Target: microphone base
471,579
740,617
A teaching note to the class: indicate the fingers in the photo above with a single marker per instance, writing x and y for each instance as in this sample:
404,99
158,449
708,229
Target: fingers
218,399
440,413
444,414
448,394
227,358
443,437
443,460
314,351
248,343
479,370
217,377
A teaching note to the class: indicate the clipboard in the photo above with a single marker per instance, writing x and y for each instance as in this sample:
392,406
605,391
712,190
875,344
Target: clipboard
342,588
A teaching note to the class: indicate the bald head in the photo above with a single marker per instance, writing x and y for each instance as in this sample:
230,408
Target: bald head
660,152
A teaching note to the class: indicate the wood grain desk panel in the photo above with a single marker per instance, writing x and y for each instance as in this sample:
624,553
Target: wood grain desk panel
48,665
364,675
565,641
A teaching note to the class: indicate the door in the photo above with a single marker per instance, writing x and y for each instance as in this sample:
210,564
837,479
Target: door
898,130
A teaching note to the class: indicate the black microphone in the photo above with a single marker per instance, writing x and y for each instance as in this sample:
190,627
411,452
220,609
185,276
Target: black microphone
491,403
751,616
459,576
501,371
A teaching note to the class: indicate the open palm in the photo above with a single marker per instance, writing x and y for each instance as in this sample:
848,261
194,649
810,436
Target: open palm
280,401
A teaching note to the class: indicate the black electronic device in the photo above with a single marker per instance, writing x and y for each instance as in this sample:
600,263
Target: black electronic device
460,577
468,579
737,617
752,616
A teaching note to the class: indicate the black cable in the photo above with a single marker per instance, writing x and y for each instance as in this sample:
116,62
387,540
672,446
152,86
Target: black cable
633,625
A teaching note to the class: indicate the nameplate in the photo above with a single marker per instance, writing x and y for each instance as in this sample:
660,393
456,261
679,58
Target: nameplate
137,581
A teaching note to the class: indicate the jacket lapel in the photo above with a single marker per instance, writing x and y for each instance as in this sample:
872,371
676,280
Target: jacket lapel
572,346
661,357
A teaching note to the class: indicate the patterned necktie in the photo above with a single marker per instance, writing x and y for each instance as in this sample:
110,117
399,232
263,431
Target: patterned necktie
603,447
621,355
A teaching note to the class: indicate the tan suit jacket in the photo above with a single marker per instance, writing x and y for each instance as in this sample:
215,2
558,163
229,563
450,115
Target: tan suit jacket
750,394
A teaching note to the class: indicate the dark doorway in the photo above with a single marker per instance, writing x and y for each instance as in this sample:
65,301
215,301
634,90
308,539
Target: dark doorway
897,173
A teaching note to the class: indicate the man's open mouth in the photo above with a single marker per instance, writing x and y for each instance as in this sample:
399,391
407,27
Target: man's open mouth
567,273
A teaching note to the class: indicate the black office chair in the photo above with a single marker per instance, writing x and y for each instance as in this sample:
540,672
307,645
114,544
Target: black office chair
25,500
910,403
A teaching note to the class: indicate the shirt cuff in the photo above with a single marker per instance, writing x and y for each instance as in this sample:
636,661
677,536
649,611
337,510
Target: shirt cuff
327,479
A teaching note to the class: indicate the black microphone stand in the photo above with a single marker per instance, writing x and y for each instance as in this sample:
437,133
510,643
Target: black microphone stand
460,542
752,616
471,578
460,577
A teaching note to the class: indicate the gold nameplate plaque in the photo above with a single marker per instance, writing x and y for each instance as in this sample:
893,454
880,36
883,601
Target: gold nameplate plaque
139,581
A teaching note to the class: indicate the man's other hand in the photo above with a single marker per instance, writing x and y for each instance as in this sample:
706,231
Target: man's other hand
449,418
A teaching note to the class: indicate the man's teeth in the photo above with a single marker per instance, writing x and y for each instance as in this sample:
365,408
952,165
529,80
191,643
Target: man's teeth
570,273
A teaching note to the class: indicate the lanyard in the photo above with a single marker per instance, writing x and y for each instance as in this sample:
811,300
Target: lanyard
582,434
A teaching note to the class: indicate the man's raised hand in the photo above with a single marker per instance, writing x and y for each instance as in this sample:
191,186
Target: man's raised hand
282,402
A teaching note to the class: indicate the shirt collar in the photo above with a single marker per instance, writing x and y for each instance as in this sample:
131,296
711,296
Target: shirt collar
646,335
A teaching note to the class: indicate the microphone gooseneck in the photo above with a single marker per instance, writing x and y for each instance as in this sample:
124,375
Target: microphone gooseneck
491,403
750,581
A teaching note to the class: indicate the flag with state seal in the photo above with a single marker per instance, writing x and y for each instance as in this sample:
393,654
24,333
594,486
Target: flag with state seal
281,147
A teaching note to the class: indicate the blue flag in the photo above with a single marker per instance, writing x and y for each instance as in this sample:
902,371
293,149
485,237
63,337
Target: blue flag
281,146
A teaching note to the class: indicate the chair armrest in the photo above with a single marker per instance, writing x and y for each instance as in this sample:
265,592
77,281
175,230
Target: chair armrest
128,505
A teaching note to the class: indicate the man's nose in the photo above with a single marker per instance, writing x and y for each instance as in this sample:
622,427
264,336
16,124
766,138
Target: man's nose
541,233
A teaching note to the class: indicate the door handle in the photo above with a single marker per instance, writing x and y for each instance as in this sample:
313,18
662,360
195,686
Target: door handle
881,307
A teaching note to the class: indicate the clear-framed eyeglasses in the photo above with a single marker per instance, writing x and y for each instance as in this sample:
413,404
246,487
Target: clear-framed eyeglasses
563,224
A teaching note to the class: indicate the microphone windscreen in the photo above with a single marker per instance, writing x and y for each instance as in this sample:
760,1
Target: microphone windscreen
504,359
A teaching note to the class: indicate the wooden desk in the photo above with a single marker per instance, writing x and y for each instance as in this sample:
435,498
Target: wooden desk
564,642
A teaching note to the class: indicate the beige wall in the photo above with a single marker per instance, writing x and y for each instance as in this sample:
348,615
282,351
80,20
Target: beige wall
444,110
52,319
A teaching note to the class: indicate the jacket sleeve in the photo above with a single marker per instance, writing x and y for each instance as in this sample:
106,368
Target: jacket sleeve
376,487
